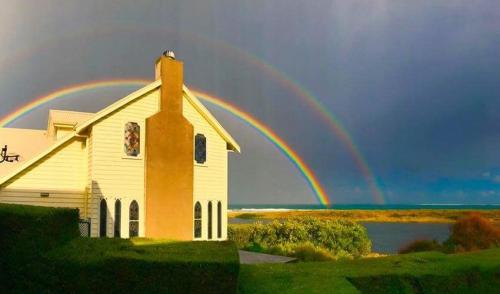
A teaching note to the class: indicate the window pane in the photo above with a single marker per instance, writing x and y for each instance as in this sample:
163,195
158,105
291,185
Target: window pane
219,220
132,139
209,220
133,229
197,228
200,152
103,217
118,218
197,210
134,210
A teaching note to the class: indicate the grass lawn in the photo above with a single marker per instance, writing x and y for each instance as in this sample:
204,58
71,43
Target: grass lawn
429,272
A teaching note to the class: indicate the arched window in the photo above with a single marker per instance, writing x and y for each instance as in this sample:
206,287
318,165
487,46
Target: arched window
200,148
219,220
118,218
210,220
134,220
197,220
103,218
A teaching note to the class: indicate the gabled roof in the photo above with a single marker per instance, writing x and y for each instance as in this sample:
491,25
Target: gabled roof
80,129
211,120
66,118
232,144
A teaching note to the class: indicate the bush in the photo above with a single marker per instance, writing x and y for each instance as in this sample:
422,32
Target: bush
309,252
421,245
30,230
473,233
337,237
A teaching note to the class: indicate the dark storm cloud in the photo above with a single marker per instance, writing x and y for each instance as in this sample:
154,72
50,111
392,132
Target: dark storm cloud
414,82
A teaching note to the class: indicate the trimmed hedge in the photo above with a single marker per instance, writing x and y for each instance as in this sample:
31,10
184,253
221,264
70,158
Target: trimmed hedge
30,230
40,251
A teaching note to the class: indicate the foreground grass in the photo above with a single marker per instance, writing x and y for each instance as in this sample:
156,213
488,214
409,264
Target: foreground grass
115,265
429,272
415,215
41,252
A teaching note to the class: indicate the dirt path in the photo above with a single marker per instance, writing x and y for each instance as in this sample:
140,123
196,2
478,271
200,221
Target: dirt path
247,257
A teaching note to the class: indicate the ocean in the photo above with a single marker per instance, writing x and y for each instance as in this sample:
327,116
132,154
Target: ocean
363,206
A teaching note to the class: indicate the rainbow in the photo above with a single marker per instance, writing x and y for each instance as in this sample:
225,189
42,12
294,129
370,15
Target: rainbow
264,130
315,104
282,78
294,158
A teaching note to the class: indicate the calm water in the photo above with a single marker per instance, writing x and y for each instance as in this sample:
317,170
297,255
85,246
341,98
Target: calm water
386,237
389,237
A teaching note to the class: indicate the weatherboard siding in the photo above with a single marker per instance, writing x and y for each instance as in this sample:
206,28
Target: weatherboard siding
210,178
61,174
113,175
83,171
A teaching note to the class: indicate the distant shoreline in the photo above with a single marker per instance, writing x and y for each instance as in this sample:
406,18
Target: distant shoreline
425,206
430,215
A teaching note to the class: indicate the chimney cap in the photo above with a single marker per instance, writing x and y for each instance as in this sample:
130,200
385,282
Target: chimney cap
169,53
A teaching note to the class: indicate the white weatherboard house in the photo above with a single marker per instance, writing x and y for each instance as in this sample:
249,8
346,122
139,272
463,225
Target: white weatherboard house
153,164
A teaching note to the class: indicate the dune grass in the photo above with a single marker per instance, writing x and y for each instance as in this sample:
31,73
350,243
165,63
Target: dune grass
429,272
412,215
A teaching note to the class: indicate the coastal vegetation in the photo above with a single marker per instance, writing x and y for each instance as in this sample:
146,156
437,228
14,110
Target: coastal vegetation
306,238
426,272
470,233
41,252
410,215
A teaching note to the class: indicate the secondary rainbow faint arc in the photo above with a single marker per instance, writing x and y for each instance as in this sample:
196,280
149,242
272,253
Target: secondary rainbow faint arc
264,130
285,80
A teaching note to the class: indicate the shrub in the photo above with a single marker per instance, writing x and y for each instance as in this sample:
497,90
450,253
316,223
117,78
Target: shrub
309,252
421,245
338,237
30,230
472,233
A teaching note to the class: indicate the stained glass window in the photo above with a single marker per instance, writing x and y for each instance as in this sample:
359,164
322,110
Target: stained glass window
197,220
132,139
134,219
200,148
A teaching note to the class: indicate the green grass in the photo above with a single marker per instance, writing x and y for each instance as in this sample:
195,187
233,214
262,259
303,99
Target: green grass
429,272
117,265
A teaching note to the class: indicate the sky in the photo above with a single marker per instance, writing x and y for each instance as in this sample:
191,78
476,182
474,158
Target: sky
415,84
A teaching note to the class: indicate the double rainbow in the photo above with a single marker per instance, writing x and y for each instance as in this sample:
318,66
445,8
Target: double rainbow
250,59
260,127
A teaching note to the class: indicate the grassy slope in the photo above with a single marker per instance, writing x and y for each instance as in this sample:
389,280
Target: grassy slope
431,272
416,215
